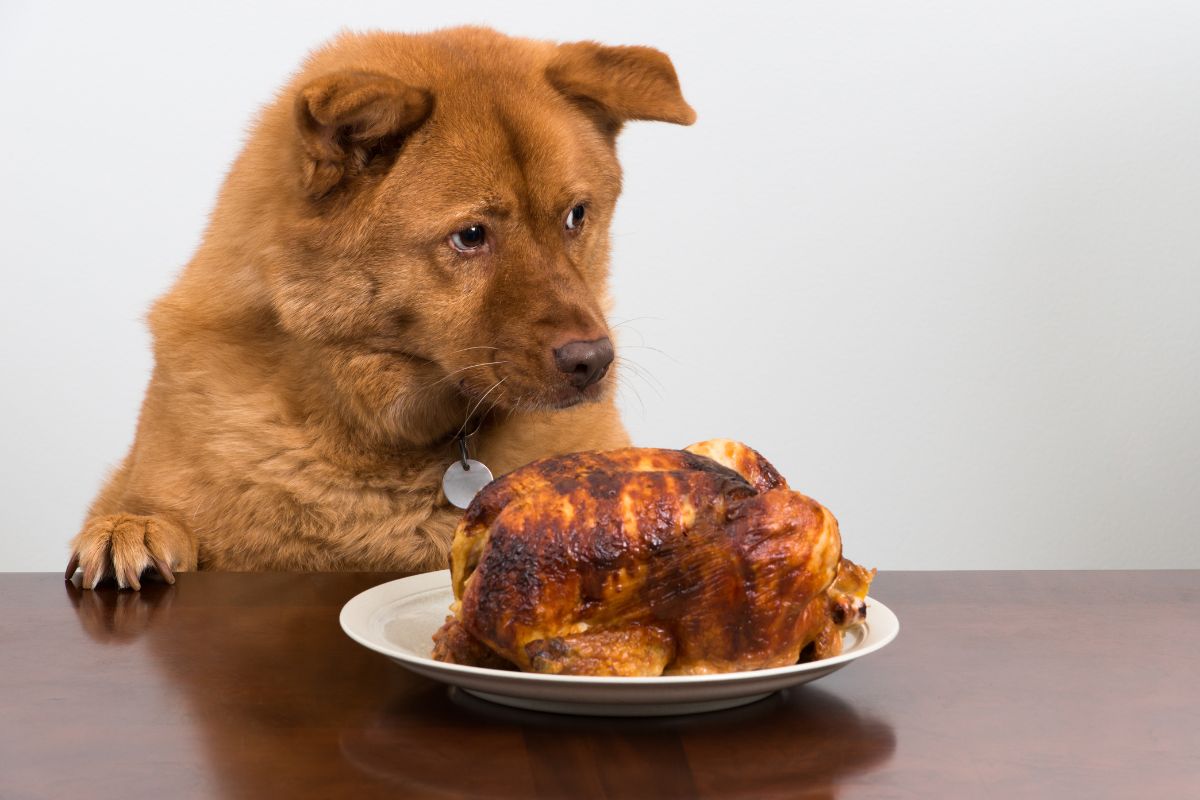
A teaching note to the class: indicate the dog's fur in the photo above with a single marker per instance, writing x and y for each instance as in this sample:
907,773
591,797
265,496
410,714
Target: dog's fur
319,353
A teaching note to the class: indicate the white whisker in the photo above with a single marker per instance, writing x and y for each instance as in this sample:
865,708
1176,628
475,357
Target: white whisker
635,319
663,353
638,370
449,375
622,384
471,411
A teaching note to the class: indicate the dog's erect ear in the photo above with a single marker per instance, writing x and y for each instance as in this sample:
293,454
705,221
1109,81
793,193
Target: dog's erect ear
348,118
620,83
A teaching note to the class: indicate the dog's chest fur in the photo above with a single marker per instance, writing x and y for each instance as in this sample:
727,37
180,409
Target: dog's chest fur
307,508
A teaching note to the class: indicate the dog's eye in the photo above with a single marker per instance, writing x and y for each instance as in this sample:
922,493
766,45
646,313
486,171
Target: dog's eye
575,217
469,239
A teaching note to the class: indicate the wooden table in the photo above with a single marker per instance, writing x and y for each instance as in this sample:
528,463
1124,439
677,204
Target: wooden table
1001,685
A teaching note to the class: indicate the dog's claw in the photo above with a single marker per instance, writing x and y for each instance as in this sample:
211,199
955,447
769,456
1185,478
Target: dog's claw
126,548
92,573
72,565
164,570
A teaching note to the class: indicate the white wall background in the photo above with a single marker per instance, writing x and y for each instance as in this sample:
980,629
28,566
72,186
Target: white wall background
939,260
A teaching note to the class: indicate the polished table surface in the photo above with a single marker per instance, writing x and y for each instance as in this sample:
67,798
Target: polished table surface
1000,685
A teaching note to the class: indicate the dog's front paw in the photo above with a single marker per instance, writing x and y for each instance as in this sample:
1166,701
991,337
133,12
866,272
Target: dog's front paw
123,546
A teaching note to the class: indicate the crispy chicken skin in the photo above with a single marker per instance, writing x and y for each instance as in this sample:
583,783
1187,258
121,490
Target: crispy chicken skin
647,562
839,607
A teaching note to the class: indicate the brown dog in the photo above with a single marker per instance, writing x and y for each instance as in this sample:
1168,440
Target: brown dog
414,242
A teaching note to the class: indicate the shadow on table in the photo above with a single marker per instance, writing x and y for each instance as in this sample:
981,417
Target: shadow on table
801,742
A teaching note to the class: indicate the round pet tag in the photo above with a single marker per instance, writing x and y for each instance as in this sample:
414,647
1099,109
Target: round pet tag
463,480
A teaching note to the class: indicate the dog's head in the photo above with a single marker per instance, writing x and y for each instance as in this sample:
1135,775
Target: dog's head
446,240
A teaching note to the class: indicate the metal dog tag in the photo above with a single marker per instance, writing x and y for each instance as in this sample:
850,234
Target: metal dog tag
463,480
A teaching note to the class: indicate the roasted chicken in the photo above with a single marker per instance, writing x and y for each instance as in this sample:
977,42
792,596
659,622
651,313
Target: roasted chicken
648,562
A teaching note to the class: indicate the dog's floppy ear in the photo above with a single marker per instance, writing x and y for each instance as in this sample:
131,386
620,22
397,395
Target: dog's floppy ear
620,83
347,118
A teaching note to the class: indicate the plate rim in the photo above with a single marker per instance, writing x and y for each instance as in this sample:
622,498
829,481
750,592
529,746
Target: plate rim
363,602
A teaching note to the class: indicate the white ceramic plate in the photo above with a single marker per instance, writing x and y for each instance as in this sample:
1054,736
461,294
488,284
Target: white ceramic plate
399,619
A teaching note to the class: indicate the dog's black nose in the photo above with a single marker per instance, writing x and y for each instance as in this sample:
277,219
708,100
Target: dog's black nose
584,363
